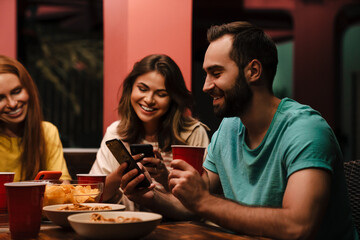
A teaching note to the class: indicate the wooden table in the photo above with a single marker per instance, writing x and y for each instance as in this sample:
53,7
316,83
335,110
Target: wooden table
165,231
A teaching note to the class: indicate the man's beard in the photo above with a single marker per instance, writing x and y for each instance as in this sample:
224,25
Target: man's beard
237,99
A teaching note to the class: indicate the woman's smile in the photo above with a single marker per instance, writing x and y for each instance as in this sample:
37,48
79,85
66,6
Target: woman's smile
147,109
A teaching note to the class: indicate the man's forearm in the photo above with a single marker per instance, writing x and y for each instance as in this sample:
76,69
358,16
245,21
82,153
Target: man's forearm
257,221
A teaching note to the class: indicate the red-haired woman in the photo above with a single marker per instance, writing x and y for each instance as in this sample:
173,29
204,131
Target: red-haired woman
27,143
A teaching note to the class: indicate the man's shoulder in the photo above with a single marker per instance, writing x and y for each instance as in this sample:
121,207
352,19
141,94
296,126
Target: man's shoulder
290,105
229,129
295,113
230,121
231,124
300,124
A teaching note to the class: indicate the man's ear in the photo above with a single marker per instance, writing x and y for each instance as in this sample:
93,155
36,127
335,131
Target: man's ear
253,71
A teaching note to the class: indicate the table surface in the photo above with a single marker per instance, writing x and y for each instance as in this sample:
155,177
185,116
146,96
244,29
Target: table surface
164,231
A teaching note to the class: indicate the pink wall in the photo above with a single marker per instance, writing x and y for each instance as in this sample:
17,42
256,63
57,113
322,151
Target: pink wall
8,28
115,55
135,28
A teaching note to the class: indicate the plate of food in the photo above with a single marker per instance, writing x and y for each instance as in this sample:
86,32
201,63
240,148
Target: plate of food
122,225
59,213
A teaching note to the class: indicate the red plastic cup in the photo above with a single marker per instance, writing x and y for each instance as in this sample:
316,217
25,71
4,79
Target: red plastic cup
25,202
5,177
190,154
84,178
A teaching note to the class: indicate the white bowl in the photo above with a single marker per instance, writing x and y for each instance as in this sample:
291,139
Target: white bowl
83,225
59,217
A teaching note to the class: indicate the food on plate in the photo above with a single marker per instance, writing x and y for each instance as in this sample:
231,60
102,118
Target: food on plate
96,217
81,207
67,193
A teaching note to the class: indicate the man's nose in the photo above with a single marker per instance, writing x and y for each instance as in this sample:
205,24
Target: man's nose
208,85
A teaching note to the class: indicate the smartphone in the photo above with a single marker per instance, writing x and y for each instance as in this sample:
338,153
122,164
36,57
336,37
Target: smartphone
121,154
146,149
49,175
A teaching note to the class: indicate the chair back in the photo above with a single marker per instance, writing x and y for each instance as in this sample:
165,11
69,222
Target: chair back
352,175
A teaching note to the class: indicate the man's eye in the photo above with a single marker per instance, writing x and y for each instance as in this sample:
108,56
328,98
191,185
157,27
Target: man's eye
216,74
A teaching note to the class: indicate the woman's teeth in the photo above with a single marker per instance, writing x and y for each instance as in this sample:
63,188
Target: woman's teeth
15,112
147,109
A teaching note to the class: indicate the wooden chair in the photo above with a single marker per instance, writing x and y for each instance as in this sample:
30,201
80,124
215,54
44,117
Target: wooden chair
79,160
352,175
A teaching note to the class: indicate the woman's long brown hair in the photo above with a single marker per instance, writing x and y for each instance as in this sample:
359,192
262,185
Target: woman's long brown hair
32,139
174,121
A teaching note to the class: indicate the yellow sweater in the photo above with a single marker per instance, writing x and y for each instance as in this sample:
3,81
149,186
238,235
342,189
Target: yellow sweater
10,153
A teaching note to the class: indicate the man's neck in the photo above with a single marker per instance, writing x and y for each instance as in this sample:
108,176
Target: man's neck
258,117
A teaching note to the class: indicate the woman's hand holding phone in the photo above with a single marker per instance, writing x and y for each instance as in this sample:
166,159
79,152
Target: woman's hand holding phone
122,155
131,179
121,178
156,168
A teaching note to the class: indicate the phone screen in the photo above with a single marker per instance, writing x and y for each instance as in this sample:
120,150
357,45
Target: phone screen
121,154
146,149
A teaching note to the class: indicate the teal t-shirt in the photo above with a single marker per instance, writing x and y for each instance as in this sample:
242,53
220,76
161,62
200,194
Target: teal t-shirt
297,138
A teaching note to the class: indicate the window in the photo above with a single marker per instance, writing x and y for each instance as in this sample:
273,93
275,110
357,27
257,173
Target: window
61,45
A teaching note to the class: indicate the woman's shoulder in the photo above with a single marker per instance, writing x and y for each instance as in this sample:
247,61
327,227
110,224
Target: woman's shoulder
196,128
51,132
113,126
198,124
111,130
48,126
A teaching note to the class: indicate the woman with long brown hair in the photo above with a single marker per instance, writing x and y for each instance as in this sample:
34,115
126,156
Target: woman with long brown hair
27,143
154,109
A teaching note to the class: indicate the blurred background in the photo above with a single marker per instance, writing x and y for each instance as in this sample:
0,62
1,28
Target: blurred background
79,51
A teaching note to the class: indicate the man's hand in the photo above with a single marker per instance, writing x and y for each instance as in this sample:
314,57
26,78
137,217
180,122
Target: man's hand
187,185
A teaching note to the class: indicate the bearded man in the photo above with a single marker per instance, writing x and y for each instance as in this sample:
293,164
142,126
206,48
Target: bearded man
273,167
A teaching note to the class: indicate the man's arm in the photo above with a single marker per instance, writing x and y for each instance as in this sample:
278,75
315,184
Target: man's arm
304,203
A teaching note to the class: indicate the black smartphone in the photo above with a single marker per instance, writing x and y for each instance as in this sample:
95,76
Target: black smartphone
121,154
146,149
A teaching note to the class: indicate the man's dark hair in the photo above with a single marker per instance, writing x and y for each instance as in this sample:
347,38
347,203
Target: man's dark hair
250,42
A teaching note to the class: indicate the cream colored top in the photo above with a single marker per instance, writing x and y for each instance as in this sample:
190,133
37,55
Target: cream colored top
10,152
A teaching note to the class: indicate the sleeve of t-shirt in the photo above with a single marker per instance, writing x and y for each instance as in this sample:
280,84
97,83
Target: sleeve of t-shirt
309,143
